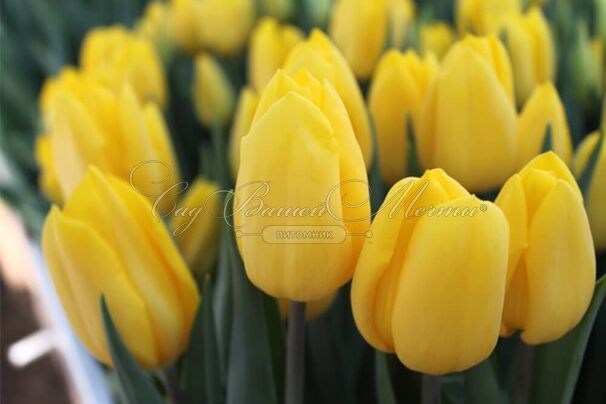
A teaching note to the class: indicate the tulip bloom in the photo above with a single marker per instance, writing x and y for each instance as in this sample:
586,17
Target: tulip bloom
532,52
185,16
86,128
437,38
269,46
551,272
596,198
213,92
398,90
485,16
543,109
48,181
224,25
118,57
155,24
195,224
245,110
468,124
323,61
301,203
106,242
433,270
363,47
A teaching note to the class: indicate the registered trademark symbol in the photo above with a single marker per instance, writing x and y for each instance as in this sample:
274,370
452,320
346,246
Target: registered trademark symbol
483,207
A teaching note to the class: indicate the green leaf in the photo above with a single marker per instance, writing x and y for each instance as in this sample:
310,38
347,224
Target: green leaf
135,384
587,174
547,139
250,374
557,364
481,384
194,383
414,167
385,391
375,180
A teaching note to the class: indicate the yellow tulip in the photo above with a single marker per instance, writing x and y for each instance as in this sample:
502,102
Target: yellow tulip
213,92
313,309
185,19
398,90
223,25
359,29
270,43
118,57
437,38
245,110
195,224
314,174
106,242
119,135
434,270
48,180
468,123
400,16
551,270
484,16
596,198
155,25
532,52
543,109
323,61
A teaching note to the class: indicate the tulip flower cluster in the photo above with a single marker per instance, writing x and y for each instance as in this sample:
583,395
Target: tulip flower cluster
422,179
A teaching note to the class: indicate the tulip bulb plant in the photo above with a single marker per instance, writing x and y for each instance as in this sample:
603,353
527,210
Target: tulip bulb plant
318,201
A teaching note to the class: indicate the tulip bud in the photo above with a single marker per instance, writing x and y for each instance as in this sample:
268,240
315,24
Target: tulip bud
48,181
155,25
436,38
313,309
119,57
245,110
400,17
301,236
433,270
532,52
86,130
484,16
106,242
398,90
213,92
542,110
551,270
587,65
195,225
468,123
596,197
269,45
323,61
223,25
185,20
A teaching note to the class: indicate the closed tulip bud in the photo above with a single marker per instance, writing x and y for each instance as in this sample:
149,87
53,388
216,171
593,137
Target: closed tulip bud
86,131
532,52
48,180
433,270
213,92
195,224
468,123
550,251
484,16
397,92
323,61
269,45
542,110
313,309
437,38
400,16
314,175
217,15
120,57
185,20
596,197
245,110
106,242
155,25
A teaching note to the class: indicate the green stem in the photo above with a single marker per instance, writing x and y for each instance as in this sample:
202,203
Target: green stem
295,353
525,354
432,388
